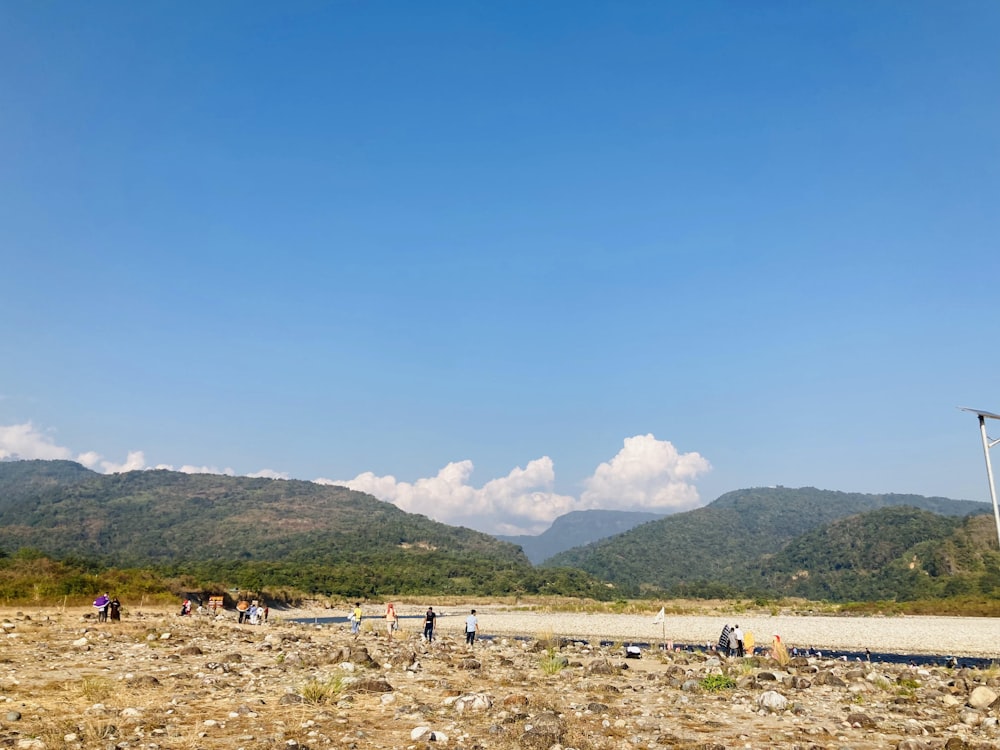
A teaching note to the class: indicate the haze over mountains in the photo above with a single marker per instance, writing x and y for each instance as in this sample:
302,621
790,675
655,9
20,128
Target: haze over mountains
754,542
577,528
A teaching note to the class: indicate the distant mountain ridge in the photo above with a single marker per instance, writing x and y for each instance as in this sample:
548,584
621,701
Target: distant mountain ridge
758,542
256,533
717,549
63,508
577,528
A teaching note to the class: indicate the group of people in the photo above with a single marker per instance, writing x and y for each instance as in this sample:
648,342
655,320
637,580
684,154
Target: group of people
731,641
430,619
108,608
252,612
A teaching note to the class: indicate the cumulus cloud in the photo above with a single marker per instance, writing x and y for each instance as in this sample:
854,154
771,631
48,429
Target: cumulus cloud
646,474
25,441
269,474
521,502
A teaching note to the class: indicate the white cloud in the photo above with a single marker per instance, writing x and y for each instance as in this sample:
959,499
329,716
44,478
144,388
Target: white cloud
133,462
269,474
647,474
26,442
90,459
189,469
521,502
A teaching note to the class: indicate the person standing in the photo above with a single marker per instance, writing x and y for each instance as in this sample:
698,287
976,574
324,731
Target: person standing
356,621
391,621
429,624
738,639
101,603
471,628
115,609
724,637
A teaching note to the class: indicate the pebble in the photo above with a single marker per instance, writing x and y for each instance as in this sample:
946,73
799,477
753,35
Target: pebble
410,691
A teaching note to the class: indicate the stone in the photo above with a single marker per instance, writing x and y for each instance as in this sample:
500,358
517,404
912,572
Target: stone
982,697
473,702
602,666
372,685
541,732
772,701
861,720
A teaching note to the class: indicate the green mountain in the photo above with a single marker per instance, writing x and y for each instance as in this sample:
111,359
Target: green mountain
897,553
577,528
716,550
295,533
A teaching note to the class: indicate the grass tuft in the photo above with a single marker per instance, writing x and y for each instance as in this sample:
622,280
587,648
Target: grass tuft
716,683
552,662
320,692
97,689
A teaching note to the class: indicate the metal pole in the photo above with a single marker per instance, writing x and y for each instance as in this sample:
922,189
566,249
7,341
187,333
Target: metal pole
989,472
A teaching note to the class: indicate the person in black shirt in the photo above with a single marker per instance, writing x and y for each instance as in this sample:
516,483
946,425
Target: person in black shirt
429,624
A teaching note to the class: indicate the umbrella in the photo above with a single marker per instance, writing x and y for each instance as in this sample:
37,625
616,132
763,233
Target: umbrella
102,601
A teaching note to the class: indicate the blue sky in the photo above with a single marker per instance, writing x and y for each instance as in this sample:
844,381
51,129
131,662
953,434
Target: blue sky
498,261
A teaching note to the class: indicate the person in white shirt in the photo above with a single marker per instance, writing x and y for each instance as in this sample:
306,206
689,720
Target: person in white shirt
471,628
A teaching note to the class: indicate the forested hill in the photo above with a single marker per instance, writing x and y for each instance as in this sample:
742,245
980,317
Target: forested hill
257,533
62,508
718,548
897,552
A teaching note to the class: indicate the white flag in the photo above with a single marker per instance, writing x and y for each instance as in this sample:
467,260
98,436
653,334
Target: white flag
660,616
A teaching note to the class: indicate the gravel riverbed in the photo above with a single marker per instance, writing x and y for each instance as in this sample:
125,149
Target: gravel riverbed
961,636
958,636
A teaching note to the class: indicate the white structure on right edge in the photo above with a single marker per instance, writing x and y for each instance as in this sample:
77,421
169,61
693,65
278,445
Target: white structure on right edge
987,444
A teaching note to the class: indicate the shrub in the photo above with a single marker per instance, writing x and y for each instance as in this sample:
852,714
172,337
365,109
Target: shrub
552,663
715,683
319,692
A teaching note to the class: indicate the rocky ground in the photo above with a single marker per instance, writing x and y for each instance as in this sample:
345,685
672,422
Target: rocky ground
156,680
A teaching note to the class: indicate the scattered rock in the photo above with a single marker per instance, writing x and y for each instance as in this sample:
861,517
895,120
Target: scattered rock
982,697
772,701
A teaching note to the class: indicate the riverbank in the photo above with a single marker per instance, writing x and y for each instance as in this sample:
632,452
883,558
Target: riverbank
958,636
156,680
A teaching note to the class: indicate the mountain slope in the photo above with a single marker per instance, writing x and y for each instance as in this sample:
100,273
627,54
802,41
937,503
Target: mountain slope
714,550
866,556
144,517
577,528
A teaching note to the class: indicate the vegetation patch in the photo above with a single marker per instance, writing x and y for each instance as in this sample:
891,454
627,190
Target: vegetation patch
319,692
553,662
716,683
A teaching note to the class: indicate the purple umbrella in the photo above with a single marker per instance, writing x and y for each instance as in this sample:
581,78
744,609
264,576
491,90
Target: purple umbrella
102,601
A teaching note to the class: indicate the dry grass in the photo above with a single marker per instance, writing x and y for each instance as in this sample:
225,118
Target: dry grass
323,691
